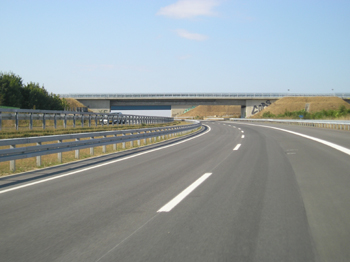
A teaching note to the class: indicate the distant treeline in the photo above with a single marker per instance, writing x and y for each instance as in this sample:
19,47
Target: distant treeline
13,93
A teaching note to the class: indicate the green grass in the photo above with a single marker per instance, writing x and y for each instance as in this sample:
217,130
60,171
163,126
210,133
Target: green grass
324,114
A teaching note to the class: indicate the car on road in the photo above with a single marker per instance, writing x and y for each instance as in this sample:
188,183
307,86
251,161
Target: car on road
107,119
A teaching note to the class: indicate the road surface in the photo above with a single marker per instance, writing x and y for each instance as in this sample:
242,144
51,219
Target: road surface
237,192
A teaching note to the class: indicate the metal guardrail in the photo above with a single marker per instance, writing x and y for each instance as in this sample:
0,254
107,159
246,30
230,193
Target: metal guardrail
332,124
104,138
43,115
201,95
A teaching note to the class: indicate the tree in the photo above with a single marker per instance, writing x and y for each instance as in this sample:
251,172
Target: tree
37,97
30,96
11,90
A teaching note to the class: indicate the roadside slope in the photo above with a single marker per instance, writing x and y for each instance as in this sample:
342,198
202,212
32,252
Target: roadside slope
213,110
314,104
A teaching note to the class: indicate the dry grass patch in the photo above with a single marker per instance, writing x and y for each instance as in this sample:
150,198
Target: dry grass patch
214,110
291,104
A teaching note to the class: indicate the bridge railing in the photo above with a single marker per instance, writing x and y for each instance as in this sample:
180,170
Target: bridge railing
201,95
91,118
44,145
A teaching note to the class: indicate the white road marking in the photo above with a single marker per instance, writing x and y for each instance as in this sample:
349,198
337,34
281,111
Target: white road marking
176,200
104,164
239,128
237,147
330,144
242,131
242,136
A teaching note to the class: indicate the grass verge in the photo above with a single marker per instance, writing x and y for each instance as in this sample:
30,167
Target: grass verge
342,113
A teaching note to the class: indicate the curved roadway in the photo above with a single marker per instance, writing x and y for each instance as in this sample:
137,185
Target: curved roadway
248,194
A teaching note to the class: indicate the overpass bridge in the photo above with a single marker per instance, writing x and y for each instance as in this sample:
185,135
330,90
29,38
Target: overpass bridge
176,103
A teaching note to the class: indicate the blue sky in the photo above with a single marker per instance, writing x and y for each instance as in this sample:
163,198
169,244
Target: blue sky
172,46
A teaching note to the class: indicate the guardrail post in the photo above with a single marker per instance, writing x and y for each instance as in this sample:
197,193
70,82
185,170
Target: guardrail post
82,120
138,141
118,120
16,120
77,152
91,148
55,120
113,120
38,158
89,120
0,120
44,121
59,155
73,120
115,145
95,120
65,121
104,146
123,144
131,142
13,162
31,121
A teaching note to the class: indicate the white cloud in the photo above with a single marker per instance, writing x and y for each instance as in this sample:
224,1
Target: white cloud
189,8
192,36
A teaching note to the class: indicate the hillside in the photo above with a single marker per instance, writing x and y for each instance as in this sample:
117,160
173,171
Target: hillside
213,110
73,103
314,104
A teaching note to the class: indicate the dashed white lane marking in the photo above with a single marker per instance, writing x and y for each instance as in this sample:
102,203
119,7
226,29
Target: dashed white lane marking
104,164
237,147
239,128
242,131
330,144
242,136
176,200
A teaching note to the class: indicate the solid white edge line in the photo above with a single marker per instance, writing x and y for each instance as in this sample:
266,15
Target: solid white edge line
176,200
104,164
330,144
237,147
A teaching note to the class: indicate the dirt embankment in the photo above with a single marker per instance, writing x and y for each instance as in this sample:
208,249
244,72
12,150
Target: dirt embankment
213,110
73,103
311,104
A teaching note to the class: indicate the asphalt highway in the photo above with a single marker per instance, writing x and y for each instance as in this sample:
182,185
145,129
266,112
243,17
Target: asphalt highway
236,192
